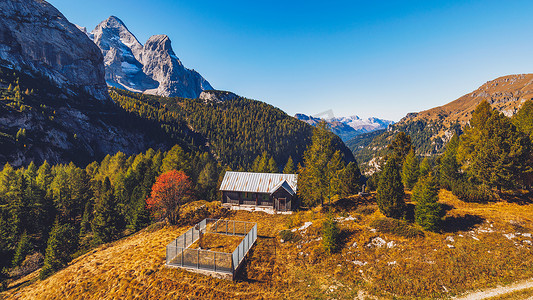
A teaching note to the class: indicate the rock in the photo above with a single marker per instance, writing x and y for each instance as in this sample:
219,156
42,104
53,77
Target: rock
153,68
217,96
36,36
376,242
122,54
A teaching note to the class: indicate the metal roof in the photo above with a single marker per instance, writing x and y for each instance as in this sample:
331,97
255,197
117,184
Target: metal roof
258,182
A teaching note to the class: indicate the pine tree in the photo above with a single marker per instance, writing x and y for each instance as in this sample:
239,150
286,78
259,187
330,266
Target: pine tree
390,191
330,234
106,222
334,169
289,167
351,180
425,167
449,167
61,244
523,119
427,210
24,248
272,166
410,170
400,147
315,177
493,151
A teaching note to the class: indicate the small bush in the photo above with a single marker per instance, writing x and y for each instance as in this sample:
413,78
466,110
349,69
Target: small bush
471,193
330,234
396,227
289,236
366,209
31,263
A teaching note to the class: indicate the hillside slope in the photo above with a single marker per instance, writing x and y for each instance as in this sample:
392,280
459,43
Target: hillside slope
431,129
237,129
481,246
39,121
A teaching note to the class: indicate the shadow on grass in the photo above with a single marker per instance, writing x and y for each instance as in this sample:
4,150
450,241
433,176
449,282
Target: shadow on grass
461,223
524,199
410,212
344,237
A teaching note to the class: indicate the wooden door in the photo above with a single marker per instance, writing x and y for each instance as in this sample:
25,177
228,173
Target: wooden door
282,204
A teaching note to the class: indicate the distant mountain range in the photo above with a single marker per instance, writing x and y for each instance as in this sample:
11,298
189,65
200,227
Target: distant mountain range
348,127
152,68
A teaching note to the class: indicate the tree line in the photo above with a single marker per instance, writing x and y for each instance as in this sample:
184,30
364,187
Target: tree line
492,155
236,130
62,211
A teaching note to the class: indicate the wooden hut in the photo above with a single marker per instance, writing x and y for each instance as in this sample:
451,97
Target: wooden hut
262,190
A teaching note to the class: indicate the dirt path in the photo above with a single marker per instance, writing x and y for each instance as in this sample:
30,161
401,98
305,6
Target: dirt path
502,290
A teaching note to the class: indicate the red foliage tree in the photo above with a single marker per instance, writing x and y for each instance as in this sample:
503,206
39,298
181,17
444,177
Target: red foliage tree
169,192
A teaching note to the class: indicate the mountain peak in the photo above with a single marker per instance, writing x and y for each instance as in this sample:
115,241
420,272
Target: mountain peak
153,68
114,20
159,42
348,127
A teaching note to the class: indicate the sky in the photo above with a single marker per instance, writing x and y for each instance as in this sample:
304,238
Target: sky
367,58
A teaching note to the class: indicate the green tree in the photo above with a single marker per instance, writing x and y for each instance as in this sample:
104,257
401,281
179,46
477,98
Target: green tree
330,234
61,244
427,210
390,191
272,166
523,119
400,146
449,167
289,167
493,151
410,170
425,167
318,178
24,248
175,159
106,222
351,180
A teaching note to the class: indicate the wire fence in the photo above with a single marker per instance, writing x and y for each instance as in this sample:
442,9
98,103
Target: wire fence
179,254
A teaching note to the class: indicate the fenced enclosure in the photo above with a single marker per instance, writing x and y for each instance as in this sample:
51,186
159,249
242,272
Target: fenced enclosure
180,255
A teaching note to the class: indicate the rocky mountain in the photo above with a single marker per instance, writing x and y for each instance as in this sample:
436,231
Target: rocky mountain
153,68
348,127
431,129
51,81
34,36
217,96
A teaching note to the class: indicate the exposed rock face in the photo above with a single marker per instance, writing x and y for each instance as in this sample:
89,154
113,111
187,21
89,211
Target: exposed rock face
34,35
217,96
122,53
153,68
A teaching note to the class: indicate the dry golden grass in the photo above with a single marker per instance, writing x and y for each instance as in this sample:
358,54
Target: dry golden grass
218,242
489,248
506,92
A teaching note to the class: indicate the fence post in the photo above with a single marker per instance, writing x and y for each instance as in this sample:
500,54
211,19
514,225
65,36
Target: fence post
215,261
181,256
197,259
226,227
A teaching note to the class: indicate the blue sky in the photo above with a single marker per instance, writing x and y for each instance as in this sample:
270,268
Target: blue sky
369,58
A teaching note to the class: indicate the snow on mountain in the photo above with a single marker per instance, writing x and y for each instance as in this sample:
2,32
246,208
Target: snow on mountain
348,127
153,68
